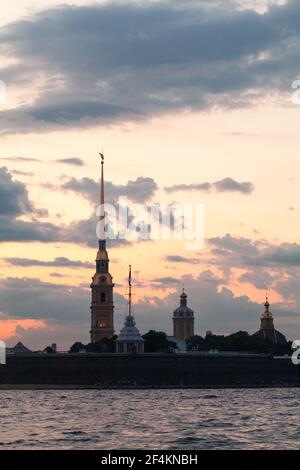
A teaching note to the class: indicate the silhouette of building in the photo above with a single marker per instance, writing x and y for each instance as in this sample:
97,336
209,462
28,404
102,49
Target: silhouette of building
129,339
102,306
267,330
19,348
183,320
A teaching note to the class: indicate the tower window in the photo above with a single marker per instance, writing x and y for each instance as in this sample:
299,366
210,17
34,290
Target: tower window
102,297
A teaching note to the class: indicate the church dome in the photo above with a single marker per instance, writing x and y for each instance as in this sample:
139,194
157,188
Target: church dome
183,310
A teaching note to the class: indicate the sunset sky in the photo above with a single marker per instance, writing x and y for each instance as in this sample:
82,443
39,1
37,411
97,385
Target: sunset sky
177,93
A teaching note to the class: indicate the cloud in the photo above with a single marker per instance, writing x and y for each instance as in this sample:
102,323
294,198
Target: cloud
21,173
68,161
15,202
230,185
259,278
19,159
189,187
224,185
121,61
241,251
32,298
216,307
139,190
65,309
14,199
165,281
181,259
18,230
71,161
57,262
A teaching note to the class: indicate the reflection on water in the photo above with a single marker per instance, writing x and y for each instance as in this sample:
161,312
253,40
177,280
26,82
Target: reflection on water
150,419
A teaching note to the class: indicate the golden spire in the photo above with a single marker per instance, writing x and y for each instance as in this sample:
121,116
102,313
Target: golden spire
102,238
129,293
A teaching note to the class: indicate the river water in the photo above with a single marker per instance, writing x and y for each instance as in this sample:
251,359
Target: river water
150,419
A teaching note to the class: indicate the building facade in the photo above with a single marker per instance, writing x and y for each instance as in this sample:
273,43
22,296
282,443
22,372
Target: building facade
102,306
183,320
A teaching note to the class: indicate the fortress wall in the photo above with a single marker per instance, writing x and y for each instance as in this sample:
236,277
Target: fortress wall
148,370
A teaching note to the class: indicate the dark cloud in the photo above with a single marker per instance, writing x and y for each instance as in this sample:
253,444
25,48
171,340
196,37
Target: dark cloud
15,230
57,262
31,298
19,159
14,199
181,259
165,281
224,185
71,161
230,185
241,251
132,60
139,190
188,187
14,202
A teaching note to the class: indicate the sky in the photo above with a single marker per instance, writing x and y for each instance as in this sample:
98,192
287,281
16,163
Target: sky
192,103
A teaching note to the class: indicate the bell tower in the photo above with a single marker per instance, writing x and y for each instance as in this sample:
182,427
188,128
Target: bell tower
183,320
102,306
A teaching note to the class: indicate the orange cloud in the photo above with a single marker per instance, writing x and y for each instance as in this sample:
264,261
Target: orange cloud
8,327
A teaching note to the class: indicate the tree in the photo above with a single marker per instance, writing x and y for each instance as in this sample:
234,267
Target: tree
76,347
195,343
106,345
48,350
157,341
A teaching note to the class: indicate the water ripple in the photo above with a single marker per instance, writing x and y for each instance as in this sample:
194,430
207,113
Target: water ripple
150,419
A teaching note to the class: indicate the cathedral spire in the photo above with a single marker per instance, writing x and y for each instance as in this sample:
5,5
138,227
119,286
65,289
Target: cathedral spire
129,293
102,239
102,306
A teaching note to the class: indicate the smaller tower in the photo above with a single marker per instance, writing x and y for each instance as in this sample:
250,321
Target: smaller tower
267,330
183,320
266,319
129,339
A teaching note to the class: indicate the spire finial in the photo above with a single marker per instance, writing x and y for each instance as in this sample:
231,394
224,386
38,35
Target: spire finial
102,157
